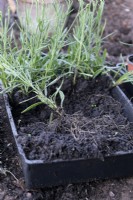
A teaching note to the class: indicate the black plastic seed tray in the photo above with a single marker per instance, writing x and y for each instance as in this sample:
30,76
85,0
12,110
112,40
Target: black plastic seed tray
39,174
128,89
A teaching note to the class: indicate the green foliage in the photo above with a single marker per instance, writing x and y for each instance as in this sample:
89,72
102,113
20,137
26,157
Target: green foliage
84,52
121,75
127,77
40,61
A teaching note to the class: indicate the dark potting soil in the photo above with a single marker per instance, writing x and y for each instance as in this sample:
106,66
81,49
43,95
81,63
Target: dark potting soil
91,125
119,21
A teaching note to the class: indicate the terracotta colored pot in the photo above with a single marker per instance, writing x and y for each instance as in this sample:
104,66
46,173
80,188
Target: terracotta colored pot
130,62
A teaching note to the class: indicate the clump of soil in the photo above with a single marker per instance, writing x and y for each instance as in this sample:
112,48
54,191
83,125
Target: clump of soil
91,125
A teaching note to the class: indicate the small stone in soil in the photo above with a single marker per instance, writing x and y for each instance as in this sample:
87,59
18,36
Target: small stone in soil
111,194
29,195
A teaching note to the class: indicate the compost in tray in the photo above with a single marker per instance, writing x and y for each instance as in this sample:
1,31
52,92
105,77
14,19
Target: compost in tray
92,124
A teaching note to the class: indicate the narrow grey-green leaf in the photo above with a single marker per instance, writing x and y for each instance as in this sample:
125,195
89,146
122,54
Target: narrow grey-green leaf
31,107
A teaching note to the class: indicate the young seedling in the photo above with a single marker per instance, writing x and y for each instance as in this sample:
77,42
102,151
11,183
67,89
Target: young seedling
40,62
85,51
34,66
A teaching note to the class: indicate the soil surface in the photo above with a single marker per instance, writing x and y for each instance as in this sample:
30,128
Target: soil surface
92,123
119,16
119,21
